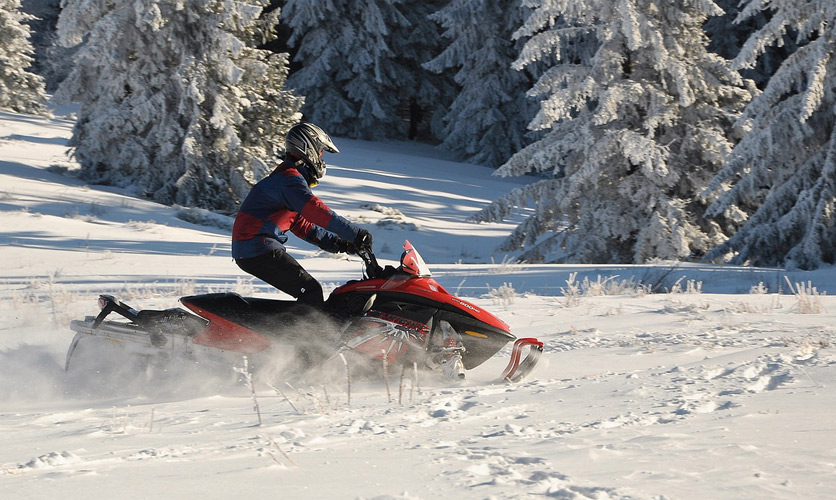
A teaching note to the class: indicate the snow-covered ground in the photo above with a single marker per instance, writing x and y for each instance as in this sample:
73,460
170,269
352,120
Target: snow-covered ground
721,388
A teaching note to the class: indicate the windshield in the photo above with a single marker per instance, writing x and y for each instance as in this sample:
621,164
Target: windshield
411,261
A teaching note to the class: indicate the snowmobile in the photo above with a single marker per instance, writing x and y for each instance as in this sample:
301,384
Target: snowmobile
392,316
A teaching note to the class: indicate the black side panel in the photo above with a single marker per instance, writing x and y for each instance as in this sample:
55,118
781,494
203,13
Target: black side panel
174,320
255,314
284,320
418,313
347,304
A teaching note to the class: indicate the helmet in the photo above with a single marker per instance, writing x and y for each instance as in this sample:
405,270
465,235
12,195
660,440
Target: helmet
307,141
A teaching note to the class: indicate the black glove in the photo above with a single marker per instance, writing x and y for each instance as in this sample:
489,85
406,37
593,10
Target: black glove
363,241
345,246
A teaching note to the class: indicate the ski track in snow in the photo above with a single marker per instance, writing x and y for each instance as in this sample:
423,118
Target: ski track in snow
481,439
651,371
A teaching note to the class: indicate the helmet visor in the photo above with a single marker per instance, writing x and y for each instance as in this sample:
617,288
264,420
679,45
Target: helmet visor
328,145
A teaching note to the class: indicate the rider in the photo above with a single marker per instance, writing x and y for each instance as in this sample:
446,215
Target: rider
283,202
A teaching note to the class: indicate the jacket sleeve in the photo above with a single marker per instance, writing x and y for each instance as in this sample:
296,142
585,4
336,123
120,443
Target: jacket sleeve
316,222
312,233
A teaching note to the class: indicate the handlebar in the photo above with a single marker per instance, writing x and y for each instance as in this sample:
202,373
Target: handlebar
373,269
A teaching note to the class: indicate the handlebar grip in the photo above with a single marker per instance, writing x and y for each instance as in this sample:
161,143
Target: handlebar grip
373,269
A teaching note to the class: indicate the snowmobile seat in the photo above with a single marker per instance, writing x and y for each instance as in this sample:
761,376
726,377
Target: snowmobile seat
259,314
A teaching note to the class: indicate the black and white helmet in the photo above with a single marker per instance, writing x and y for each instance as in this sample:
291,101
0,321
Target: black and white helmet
307,142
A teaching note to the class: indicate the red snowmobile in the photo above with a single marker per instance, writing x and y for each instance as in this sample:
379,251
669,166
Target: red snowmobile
401,314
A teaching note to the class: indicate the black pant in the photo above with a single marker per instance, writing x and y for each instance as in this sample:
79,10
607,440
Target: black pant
282,271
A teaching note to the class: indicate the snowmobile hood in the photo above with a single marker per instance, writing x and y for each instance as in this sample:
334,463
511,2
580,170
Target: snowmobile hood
427,289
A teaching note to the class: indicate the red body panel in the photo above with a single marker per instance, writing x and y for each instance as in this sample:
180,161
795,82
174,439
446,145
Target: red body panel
224,334
427,288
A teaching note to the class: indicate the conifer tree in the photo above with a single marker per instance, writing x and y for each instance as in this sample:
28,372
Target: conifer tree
360,63
20,90
348,73
728,33
486,122
52,61
638,116
779,184
426,93
176,100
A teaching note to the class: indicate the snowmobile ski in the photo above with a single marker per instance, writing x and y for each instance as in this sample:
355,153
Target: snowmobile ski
516,369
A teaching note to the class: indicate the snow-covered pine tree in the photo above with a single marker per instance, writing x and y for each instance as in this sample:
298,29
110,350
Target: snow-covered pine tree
348,75
779,184
728,34
176,100
52,61
486,122
357,68
426,94
638,115
320,36
20,90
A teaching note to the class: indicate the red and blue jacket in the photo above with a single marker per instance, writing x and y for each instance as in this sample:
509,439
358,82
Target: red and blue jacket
283,202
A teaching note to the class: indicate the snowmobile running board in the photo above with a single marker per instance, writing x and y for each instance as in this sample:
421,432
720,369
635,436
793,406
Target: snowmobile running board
516,369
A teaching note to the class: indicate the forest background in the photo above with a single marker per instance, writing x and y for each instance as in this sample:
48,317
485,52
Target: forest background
686,130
